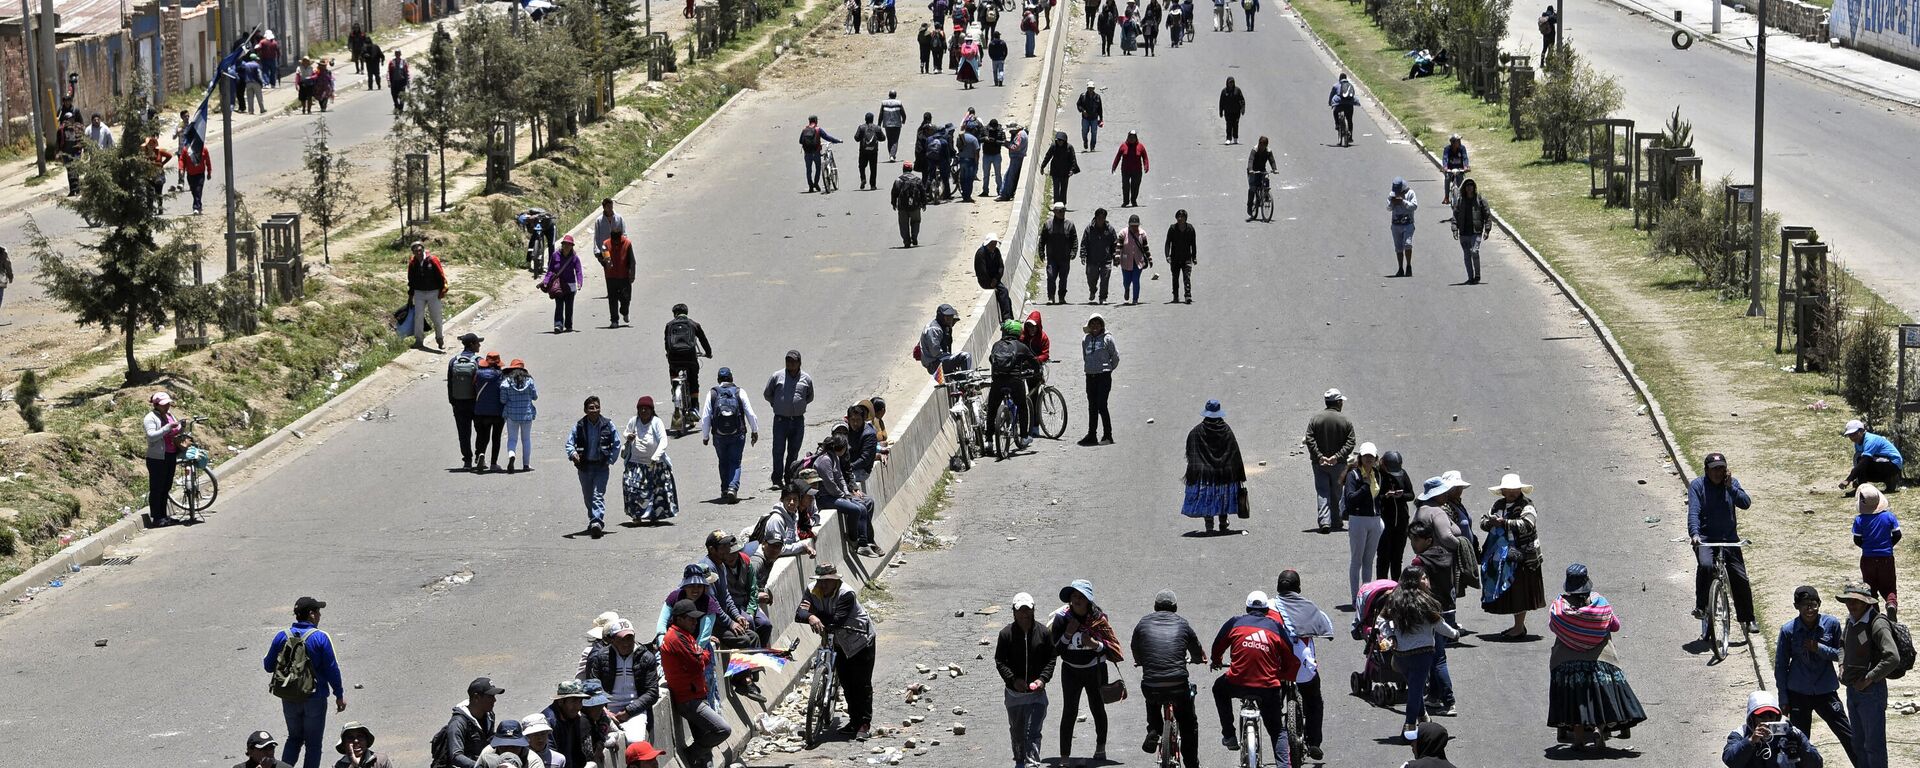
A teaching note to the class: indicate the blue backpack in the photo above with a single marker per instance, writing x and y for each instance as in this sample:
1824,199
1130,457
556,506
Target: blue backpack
729,414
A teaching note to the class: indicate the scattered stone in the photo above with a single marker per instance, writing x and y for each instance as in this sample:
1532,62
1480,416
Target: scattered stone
359,686
102,643
988,611
910,743
959,729
1263,462
959,710
1149,421
959,614
985,641
877,749
1807,511
1456,417
1643,481
916,719
933,742
922,669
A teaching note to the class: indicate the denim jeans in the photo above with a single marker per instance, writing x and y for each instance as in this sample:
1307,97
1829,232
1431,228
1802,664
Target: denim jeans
990,178
1089,132
1326,489
1030,36
1868,710
307,723
728,449
1011,181
789,432
812,163
706,729
1026,713
1470,254
858,517
1418,668
999,71
593,490
1130,284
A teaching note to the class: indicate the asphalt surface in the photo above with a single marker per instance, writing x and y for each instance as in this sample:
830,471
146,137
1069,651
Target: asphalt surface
1485,379
1835,158
375,517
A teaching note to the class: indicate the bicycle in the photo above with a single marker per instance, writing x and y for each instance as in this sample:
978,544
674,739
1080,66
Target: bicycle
1050,408
1293,721
961,408
829,173
1006,429
194,484
685,412
1169,750
1249,728
1263,198
1452,183
1718,624
821,691
1343,125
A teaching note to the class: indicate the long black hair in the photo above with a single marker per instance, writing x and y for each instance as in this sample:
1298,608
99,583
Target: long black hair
1411,604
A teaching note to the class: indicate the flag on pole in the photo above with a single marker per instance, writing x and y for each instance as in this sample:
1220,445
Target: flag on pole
195,137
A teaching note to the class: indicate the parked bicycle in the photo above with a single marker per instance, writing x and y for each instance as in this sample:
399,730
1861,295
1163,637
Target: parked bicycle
194,484
1050,407
829,172
1718,626
963,397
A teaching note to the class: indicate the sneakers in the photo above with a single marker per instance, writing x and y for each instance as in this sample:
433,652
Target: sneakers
1699,614
1108,440
1089,440
595,528
510,462
1314,753
1233,745
1752,627
1440,708
869,550
1152,744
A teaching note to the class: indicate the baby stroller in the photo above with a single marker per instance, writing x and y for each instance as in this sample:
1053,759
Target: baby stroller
1377,682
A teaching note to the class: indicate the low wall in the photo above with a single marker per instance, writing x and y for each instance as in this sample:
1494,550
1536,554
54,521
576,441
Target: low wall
1888,29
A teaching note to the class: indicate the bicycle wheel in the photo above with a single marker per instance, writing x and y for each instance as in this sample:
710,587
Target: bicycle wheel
193,489
1169,739
1003,429
833,178
1293,722
819,702
1053,412
1720,623
1250,743
966,443
1266,205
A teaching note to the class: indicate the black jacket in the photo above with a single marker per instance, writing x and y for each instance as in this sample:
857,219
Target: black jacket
908,193
1471,216
646,675
1181,247
1098,244
1024,656
1090,105
573,738
459,743
989,266
1058,243
868,136
1233,103
1060,161
1163,645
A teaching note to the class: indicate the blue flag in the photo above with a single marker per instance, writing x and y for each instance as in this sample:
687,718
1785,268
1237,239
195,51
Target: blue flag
195,137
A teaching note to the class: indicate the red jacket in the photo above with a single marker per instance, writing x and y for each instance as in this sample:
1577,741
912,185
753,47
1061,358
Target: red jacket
1262,651
684,662
617,258
1036,337
1132,160
195,164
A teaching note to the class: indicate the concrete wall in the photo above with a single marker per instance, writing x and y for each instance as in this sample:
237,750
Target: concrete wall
1889,29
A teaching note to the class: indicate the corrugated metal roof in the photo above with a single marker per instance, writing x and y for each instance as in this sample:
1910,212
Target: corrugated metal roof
87,17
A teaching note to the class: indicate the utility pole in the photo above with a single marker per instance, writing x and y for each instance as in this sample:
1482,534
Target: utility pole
226,133
38,113
1716,16
1560,22
49,72
1755,308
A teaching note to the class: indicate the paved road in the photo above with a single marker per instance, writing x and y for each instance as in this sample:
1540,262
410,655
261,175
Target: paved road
1833,156
1283,311
374,517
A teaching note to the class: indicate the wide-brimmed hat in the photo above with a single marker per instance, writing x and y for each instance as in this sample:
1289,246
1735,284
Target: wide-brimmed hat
1437,486
535,723
569,689
600,623
341,745
490,360
1082,586
693,576
1857,592
516,365
990,238
1870,500
1578,582
566,239
1510,482
1213,410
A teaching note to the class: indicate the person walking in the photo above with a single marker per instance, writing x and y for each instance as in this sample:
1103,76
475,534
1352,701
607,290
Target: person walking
1250,7
427,283
1867,658
6,269
1876,532
811,138
1587,692
593,448
728,424
908,198
163,433
1093,113
563,281
1511,582
1401,204
788,393
685,663
1474,221
989,270
1058,239
1107,23
1163,645
868,137
1329,443
1085,642
1030,27
1713,501
1129,25
615,255
399,76
647,487
1099,249
1016,160
1309,624
1131,162
833,611
893,115
1133,255
1060,164
1182,253
1549,25
1216,476
1803,669
1396,492
303,669
1025,658
991,141
1360,504
997,54
1233,104
489,413
517,393
1417,627
1100,355
460,392
376,60
253,81
1875,459
195,164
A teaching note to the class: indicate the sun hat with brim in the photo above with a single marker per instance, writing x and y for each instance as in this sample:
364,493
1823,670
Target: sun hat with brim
1434,486
1511,482
1453,478
1857,592
341,746
536,723
516,365
600,624
569,689
1213,410
1870,501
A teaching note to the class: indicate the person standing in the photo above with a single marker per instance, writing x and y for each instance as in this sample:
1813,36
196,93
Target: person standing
1060,164
908,198
1030,27
1163,645
1101,355
489,413
1016,160
1233,104
1869,655
460,392
686,663
811,138
966,163
253,81
867,137
1713,500
991,141
788,392
592,448
1511,581
1876,532
1474,222
728,424
1216,474
1359,504
1182,253
989,269
1587,692
427,281
893,115
1098,252
163,452
399,76
1401,205
1875,459
1133,255
1417,627
1085,642
1025,657
833,611
1396,492
615,255
1803,669
647,487
302,675
1329,442
1093,114
517,393
563,281
1131,162
6,268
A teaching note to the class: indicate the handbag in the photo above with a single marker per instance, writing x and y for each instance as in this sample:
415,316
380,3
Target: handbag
1245,509
1114,690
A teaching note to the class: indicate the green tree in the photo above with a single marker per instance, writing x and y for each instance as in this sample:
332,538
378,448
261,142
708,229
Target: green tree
25,397
327,198
553,76
433,101
1571,94
489,95
131,283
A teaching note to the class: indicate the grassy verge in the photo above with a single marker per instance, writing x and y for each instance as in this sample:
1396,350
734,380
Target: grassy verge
78,475
1712,369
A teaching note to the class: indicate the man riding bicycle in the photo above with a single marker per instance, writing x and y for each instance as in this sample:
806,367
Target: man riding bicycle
1343,99
1259,164
1713,500
1163,645
685,340
1454,160
1013,366
1299,614
1261,660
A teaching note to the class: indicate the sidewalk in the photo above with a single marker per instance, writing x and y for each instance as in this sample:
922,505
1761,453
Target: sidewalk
1845,67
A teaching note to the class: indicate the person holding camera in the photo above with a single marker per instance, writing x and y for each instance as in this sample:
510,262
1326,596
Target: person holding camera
1767,740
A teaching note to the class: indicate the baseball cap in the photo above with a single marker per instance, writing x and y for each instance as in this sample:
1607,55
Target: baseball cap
724,540
1333,395
483,686
1716,459
687,608
305,604
641,750
596,693
1854,426
1256,599
724,374
1760,702
1022,600
259,739
617,627
508,734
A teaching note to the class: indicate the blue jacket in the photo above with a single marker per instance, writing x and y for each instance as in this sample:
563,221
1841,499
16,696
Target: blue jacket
1797,752
1797,670
326,669
601,447
517,400
486,391
1879,447
1710,510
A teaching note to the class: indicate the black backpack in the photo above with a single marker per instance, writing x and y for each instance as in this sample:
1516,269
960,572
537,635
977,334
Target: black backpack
681,335
810,139
1903,644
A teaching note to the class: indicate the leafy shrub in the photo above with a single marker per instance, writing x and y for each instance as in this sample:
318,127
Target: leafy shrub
25,396
1695,225
1865,374
1570,94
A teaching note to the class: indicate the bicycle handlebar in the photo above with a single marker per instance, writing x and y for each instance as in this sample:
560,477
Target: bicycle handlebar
1733,544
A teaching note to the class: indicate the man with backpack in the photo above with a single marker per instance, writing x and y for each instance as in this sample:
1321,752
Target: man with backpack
909,198
1343,99
301,669
810,146
1875,650
728,424
868,137
459,743
686,341
461,392
1013,366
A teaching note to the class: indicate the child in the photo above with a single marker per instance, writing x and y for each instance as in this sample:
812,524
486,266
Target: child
1875,532
517,394
593,449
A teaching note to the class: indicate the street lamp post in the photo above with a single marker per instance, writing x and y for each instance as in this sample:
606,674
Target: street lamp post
228,91
1755,308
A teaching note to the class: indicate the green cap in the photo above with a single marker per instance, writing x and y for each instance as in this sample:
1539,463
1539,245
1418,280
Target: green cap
1010,327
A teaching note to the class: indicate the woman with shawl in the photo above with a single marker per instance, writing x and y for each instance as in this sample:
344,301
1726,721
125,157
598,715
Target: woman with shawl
1215,472
1510,579
1587,693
